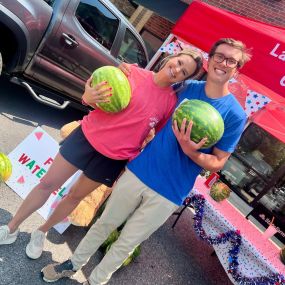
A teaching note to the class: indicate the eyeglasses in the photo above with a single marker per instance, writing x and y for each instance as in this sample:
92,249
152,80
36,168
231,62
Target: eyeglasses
230,62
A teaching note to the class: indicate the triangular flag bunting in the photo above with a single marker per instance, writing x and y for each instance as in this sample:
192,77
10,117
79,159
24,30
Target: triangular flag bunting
21,180
39,135
254,102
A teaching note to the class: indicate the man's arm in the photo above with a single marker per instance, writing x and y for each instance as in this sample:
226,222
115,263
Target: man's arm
212,162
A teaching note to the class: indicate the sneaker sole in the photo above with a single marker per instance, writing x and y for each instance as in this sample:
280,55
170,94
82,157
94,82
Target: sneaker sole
8,241
31,256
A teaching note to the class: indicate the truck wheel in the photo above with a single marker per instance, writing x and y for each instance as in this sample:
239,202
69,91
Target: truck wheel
0,63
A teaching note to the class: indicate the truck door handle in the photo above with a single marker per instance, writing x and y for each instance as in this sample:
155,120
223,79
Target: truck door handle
69,40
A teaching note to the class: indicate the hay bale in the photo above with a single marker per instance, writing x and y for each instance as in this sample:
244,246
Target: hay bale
68,128
87,208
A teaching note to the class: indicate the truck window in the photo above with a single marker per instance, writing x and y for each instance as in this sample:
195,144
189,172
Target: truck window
98,21
50,2
131,50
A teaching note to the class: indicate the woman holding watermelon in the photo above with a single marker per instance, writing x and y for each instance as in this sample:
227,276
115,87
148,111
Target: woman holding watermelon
104,142
156,182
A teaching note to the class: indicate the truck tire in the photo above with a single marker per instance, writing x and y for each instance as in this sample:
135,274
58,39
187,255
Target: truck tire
0,63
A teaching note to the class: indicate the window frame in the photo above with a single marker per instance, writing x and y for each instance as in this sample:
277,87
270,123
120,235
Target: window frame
136,40
90,35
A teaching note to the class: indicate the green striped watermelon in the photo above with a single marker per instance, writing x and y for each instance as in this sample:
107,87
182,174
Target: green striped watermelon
207,121
220,191
129,259
5,167
121,89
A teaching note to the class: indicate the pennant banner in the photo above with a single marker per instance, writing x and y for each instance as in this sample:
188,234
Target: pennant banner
254,102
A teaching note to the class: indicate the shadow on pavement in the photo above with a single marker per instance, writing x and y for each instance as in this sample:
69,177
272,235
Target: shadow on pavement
5,217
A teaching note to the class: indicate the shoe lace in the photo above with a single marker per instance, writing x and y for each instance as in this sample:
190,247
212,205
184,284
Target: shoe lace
66,265
39,240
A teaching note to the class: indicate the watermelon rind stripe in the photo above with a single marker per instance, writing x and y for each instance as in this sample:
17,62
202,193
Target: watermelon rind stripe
207,121
121,89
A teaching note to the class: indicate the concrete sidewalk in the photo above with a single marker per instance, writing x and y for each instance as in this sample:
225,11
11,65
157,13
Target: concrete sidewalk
172,257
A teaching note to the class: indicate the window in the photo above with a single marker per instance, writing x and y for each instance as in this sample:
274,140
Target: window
50,2
274,200
153,43
269,152
256,160
132,51
98,22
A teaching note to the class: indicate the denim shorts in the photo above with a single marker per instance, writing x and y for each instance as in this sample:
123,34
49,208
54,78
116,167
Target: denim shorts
79,152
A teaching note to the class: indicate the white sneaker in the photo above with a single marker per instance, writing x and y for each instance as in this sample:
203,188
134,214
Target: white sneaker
6,237
35,247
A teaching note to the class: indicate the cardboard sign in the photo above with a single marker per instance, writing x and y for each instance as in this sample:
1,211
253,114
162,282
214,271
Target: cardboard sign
31,160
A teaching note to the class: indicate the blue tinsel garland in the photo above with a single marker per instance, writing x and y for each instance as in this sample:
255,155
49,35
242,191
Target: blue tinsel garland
234,237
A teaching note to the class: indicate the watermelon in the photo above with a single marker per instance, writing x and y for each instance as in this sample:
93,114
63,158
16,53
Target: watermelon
207,121
5,167
220,191
111,238
135,254
121,89
129,259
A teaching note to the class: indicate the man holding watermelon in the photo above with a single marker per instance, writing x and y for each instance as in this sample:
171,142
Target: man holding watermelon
156,183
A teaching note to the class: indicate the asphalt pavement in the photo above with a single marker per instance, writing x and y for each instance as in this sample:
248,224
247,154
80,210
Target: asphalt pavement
168,257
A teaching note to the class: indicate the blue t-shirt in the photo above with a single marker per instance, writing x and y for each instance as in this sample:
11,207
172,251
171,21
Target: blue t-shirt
164,167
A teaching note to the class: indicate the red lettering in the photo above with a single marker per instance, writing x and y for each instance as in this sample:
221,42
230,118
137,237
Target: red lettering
35,169
48,161
23,159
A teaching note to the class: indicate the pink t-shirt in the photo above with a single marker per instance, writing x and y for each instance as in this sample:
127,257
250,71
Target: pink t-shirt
120,135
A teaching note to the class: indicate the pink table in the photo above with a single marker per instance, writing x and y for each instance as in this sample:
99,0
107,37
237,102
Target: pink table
258,256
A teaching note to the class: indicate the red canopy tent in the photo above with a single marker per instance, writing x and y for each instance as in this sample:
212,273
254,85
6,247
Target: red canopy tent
201,25
272,119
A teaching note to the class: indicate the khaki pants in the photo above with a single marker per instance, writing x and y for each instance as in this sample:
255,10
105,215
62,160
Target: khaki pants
146,212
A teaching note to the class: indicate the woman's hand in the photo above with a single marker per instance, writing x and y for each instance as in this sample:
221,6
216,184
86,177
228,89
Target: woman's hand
126,68
99,93
183,137
149,138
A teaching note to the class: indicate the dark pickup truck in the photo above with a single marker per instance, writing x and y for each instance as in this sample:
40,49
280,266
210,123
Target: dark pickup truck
51,47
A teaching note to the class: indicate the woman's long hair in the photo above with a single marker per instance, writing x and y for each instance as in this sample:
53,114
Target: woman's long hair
196,55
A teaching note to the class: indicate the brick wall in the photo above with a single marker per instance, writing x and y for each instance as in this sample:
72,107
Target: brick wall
159,26
268,11
124,6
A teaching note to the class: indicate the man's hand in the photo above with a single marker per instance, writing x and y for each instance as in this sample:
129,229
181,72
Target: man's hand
212,162
126,68
183,137
99,93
